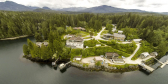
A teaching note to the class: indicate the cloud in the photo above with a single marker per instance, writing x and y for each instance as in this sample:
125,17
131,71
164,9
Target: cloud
148,5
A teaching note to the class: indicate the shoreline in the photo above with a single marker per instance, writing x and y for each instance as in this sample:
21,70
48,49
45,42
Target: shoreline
86,68
92,68
13,38
105,69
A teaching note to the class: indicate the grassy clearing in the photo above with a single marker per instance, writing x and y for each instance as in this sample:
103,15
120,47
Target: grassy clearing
101,50
87,37
122,66
127,48
104,32
84,34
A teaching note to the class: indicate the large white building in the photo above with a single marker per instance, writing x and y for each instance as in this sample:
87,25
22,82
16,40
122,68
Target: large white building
75,42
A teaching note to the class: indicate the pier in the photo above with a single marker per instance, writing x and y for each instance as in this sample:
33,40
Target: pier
62,66
147,67
163,64
55,63
152,69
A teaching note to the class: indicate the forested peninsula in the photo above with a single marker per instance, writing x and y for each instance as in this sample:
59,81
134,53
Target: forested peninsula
51,27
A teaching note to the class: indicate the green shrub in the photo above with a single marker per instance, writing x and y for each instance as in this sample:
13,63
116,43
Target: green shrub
98,63
85,64
75,52
90,43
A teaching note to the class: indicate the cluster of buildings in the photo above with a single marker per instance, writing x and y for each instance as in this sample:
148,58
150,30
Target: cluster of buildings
146,54
79,28
116,36
75,42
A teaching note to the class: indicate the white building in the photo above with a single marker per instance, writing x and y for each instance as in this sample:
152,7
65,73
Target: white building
75,42
144,55
154,54
69,36
120,32
137,40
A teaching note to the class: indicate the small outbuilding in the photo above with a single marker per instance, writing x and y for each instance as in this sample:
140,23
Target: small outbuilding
120,32
40,43
111,55
154,54
137,40
77,58
98,59
118,60
144,55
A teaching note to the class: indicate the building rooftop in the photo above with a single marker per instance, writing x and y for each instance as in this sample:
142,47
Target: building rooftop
76,38
119,35
119,31
145,53
40,43
79,28
111,54
137,40
98,59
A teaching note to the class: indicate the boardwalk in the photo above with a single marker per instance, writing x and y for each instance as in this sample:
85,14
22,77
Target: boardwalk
164,64
147,67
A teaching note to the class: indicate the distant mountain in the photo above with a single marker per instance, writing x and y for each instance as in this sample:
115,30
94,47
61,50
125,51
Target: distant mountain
74,9
47,8
33,7
12,6
165,13
108,9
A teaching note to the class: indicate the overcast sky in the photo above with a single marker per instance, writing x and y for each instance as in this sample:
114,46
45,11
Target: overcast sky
148,5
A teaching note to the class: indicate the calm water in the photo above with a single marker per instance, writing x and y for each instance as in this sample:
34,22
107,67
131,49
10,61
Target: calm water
16,70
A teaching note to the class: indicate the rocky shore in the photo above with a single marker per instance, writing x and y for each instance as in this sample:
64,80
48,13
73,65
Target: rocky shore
107,69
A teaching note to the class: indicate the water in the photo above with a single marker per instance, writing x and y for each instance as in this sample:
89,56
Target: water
16,70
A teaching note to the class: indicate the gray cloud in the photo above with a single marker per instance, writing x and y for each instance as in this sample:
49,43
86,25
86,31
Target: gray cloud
139,1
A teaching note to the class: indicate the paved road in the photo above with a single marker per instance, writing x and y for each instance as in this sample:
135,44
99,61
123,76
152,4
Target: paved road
98,35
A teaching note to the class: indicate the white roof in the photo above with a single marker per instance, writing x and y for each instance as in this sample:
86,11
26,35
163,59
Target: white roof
155,53
78,59
137,40
114,29
119,31
98,58
119,35
145,54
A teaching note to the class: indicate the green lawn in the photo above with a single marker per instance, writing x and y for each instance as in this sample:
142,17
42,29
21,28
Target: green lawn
104,32
83,33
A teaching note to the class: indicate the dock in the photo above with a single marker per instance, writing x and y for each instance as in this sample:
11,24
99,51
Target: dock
147,67
55,63
62,66
163,64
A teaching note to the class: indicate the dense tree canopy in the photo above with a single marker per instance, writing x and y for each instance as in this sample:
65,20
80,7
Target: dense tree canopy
152,28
